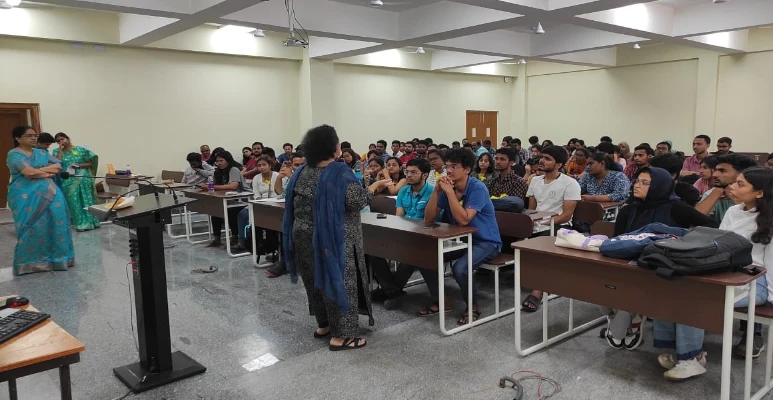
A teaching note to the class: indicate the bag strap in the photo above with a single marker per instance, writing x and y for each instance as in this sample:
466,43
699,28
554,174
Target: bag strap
665,267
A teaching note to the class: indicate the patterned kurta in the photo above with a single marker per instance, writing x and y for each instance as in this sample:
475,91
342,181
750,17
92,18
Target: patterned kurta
325,310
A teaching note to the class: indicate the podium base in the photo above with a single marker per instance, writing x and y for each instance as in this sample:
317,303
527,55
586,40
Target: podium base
182,367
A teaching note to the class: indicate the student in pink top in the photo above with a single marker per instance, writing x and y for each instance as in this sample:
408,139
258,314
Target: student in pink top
692,165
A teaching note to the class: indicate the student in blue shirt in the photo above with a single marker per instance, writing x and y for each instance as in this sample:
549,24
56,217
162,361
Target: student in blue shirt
465,200
411,201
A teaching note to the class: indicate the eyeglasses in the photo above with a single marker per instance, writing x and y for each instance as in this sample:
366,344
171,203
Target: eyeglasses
641,182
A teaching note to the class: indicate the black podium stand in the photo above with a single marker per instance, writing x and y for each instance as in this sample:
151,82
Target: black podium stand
158,365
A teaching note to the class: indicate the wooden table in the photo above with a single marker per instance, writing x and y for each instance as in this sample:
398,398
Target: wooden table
701,301
216,204
611,208
45,346
271,214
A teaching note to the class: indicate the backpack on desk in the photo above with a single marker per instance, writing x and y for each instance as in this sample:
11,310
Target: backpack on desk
701,251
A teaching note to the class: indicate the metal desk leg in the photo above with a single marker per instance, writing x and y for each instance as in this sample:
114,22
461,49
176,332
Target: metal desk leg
64,382
189,230
727,341
747,382
441,289
12,389
228,233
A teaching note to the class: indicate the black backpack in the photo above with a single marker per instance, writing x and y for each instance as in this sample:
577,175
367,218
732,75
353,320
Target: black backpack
701,251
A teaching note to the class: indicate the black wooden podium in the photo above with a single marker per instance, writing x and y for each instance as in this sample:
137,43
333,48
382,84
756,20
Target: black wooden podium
158,365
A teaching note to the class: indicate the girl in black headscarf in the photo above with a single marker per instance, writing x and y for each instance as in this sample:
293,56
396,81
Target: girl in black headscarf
652,200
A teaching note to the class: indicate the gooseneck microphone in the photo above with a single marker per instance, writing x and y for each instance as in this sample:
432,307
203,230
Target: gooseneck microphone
67,175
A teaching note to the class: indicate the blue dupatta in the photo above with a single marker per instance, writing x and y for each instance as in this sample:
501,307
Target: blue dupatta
328,238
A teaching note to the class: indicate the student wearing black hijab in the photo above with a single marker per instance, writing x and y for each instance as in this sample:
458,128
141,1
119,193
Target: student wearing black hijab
652,200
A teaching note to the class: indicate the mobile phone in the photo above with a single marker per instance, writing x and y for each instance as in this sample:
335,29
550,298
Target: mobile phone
381,216
431,225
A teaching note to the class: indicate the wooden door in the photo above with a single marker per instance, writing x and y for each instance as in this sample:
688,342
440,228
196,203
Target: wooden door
482,125
11,116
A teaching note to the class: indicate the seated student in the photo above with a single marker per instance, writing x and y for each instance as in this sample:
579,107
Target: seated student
197,172
673,164
411,202
435,158
663,147
641,157
535,150
263,188
507,189
371,147
706,181
611,151
45,140
653,200
393,171
576,167
523,154
374,154
602,183
716,201
227,177
484,168
272,161
288,151
465,201
553,192
724,144
409,154
752,218
531,169
296,161
372,172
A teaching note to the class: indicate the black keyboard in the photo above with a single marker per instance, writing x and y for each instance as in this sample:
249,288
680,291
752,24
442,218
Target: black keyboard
13,322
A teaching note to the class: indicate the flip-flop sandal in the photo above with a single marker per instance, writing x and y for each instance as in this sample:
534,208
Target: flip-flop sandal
475,316
211,269
358,344
530,300
428,312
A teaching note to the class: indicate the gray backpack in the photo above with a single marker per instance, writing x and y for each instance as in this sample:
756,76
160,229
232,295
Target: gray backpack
701,251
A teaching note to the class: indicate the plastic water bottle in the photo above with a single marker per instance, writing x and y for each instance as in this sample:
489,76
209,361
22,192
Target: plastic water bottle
211,185
358,174
128,169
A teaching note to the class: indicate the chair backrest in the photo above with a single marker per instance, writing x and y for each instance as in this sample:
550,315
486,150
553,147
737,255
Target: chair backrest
176,176
603,228
588,211
118,181
383,205
514,225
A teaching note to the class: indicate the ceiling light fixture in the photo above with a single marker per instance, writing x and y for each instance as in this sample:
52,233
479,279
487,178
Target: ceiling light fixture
258,33
13,3
236,29
636,46
521,62
376,3
720,1
538,30
420,50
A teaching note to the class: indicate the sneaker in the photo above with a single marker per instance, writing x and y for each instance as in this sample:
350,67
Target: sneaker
685,369
615,343
739,350
635,335
669,361
276,270
215,243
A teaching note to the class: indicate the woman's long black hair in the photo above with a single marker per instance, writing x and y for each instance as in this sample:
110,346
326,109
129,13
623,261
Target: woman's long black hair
221,176
490,169
401,174
762,179
245,160
18,132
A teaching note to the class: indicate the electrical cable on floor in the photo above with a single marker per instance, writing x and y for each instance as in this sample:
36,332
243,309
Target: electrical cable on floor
131,306
532,376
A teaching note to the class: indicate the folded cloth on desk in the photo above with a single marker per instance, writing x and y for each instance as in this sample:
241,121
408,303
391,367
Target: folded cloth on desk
630,245
576,240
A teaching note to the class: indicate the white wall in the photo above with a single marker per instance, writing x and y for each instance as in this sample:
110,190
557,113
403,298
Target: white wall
379,103
645,103
150,107
745,101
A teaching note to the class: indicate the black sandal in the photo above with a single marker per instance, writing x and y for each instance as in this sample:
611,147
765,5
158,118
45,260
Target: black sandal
529,302
358,344
464,318
318,336
428,312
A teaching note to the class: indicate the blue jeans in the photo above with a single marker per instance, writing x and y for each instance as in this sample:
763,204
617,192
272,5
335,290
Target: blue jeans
509,203
687,341
760,299
481,252
242,221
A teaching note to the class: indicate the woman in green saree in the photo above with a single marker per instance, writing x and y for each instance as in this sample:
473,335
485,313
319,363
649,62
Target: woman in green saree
79,189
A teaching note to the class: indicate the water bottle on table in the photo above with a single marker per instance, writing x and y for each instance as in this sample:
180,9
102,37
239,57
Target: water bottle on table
211,185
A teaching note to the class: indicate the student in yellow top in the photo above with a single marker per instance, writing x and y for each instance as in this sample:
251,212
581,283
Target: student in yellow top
484,168
438,170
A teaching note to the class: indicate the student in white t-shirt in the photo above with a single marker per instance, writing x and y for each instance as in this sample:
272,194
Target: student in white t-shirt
263,188
553,192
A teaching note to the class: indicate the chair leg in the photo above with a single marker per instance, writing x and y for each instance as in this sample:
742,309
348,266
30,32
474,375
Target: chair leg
496,292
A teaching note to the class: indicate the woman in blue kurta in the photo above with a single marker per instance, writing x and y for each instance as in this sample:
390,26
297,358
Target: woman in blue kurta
39,208
79,189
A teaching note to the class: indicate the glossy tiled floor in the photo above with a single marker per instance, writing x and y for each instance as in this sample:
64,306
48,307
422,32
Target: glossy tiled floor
237,319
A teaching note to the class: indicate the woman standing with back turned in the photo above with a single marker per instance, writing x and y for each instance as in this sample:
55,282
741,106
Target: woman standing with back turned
322,239
39,208
79,188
